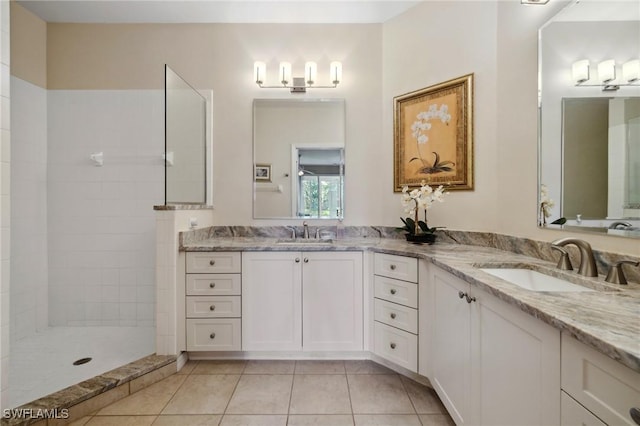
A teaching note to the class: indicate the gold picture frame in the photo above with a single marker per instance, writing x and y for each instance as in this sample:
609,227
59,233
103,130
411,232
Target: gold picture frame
433,136
262,173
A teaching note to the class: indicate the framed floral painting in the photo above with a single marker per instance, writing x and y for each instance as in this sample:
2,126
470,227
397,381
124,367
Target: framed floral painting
433,136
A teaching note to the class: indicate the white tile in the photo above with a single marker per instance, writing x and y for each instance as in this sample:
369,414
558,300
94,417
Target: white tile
128,294
110,311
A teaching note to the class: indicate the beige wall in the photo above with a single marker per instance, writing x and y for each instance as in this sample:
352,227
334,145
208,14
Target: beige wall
433,42
28,46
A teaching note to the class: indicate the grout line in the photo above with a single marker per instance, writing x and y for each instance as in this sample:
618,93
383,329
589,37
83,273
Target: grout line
353,415
293,379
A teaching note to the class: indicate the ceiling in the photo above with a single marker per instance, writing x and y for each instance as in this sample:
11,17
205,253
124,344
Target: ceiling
219,11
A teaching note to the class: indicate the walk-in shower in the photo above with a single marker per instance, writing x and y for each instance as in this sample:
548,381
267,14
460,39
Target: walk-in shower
83,233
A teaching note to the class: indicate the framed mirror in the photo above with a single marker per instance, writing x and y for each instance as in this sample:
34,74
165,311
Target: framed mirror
298,157
589,122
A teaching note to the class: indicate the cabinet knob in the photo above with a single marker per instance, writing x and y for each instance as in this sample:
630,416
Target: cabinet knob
393,315
212,285
392,345
392,267
297,260
212,336
306,260
461,294
212,262
212,307
469,298
393,291
635,414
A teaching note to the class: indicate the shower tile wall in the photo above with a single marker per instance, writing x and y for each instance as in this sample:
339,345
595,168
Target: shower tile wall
101,221
29,300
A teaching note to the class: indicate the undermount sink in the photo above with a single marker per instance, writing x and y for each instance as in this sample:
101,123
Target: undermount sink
304,241
533,280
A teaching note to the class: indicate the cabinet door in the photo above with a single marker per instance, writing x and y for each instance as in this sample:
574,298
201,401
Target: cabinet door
516,365
451,353
271,301
332,301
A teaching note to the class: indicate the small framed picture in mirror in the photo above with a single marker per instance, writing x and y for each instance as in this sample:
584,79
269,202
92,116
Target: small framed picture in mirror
262,173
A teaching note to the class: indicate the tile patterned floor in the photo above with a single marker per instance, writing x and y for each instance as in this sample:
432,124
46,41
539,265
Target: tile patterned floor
278,393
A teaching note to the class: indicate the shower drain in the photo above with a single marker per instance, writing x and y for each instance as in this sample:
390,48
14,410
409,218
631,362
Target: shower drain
82,361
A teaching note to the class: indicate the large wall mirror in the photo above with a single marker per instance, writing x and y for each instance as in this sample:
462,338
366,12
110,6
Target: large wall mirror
589,131
298,153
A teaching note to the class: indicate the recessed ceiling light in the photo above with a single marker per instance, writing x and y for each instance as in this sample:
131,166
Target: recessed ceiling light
534,1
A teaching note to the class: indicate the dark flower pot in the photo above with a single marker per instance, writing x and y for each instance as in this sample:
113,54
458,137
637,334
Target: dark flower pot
421,238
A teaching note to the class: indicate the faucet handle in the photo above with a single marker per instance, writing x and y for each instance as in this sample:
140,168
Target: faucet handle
616,274
563,263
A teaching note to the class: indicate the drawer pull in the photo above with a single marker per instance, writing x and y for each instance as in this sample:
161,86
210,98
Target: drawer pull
635,414
212,262
212,307
393,291
393,315
212,285
212,336
393,345
392,267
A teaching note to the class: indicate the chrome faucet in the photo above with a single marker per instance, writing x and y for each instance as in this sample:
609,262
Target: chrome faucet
587,261
305,232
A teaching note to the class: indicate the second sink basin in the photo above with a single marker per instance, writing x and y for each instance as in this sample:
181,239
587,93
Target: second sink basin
304,241
534,280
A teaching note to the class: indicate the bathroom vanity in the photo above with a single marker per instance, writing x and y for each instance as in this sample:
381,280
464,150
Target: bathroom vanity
494,352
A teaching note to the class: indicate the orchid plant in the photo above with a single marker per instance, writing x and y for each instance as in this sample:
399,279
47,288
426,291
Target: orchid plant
546,204
416,200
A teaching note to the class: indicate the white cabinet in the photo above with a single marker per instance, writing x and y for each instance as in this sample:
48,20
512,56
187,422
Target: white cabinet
332,301
212,303
574,414
395,329
284,290
491,363
604,387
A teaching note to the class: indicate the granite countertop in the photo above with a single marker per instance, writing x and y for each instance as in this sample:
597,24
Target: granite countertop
607,319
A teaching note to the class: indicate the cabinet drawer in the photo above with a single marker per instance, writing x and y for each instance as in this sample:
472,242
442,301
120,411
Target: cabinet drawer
213,285
399,267
573,413
396,291
213,334
213,306
603,386
396,346
396,315
213,262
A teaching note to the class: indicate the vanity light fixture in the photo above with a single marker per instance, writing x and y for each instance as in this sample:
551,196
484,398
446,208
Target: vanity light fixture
580,73
534,1
297,84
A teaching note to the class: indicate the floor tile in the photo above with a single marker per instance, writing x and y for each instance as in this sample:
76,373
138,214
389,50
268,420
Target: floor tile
424,399
319,367
261,394
219,367
378,394
320,394
121,421
253,420
320,420
270,367
436,420
387,420
188,367
188,420
365,366
150,400
203,394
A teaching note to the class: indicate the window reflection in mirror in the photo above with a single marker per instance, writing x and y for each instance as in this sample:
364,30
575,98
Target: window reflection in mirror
302,143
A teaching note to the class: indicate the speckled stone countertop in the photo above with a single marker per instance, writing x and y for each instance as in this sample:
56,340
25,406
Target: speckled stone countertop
607,319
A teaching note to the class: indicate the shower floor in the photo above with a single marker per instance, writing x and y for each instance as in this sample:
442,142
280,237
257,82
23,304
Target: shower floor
43,363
